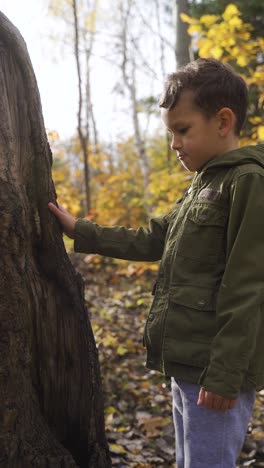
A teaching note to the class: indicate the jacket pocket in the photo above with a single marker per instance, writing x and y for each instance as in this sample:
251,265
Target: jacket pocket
191,319
190,324
204,234
194,296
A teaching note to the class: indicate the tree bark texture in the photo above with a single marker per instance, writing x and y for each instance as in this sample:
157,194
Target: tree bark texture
51,412
183,40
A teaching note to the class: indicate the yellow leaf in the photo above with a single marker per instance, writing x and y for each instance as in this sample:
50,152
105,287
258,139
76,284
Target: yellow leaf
110,410
230,11
90,21
235,22
208,20
255,120
187,19
235,51
217,52
261,132
117,295
140,302
121,350
245,36
204,53
118,449
194,28
242,61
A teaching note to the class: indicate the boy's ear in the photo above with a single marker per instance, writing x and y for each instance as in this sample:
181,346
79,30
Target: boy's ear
226,121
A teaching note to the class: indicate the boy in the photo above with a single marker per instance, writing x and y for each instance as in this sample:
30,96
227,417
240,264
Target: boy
206,322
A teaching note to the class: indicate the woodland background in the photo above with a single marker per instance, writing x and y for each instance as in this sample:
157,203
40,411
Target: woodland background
127,179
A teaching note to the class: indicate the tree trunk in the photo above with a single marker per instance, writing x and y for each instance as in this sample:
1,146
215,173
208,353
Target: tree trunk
51,412
163,70
130,83
182,46
140,145
84,136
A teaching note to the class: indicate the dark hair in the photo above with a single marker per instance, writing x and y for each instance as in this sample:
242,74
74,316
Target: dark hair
215,85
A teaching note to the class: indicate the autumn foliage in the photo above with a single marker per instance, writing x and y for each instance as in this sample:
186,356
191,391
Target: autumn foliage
117,188
228,38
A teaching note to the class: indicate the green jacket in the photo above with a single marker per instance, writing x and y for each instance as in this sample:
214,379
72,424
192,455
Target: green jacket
206,322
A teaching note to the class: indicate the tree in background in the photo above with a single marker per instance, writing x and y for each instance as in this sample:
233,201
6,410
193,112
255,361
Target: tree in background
140,73
81,18
128,69
67,174
182,39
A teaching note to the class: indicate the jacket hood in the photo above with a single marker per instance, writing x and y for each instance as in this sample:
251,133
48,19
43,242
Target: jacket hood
245,155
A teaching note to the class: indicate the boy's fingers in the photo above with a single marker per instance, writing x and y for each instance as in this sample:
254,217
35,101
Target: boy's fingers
61,208
52,207
65,219
200,401
224,405
208,400
214,401
217,402
56,210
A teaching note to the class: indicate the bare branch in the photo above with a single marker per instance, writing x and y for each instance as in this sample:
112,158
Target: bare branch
155,33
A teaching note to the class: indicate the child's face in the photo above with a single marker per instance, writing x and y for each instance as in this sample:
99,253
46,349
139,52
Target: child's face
195,137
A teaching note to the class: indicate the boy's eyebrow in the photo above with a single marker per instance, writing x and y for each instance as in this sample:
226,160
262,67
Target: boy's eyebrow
178,123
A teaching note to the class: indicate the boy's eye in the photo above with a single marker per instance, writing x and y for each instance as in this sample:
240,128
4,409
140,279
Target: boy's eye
183,130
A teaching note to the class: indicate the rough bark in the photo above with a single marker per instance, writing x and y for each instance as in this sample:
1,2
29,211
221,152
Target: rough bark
51,412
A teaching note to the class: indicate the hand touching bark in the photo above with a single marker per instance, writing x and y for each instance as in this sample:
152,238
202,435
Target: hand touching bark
66,220
214,401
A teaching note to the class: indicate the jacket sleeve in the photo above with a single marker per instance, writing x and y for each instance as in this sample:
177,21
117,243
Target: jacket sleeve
238,309
119,242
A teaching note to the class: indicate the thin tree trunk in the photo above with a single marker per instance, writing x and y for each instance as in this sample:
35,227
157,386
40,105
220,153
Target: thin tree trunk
51,413
163,70
89,106
182,46
130,83
140,145
84,137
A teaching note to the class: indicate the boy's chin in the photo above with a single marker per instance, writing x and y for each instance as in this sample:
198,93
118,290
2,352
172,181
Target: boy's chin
188,167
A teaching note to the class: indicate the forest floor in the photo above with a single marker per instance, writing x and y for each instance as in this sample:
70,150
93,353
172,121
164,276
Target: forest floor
138,417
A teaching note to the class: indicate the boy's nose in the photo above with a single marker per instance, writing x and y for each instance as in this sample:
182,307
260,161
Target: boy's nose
176,143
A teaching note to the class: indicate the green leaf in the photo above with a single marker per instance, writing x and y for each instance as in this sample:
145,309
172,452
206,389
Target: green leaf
121,350
118,449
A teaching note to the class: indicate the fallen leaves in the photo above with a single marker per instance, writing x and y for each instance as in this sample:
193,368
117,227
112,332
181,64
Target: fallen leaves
138,419
152,427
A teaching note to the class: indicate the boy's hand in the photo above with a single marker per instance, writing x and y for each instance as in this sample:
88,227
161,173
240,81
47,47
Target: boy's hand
214,401
65,218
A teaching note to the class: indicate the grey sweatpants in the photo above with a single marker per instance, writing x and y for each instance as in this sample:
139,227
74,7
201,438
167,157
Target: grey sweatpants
208,438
